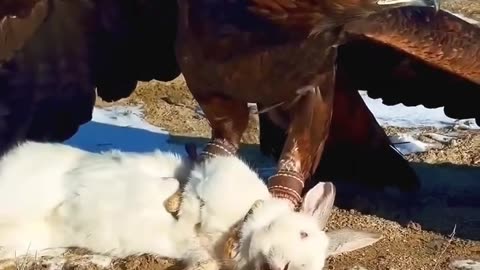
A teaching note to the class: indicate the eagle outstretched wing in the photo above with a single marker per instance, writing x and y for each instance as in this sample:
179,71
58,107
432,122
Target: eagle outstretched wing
52,60
415,56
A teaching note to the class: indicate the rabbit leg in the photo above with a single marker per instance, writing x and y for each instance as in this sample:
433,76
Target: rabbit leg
189,211
198,257
173,203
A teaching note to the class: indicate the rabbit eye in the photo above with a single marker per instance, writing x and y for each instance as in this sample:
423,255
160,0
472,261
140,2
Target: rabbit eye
303,235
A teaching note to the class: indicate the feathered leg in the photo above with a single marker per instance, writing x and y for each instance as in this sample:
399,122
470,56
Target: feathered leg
309,122
356,146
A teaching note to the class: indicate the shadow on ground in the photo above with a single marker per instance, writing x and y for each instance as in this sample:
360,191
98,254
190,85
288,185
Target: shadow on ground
449,198
450,194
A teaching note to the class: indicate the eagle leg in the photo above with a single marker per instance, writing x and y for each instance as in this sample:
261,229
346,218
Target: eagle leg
228,119
357,147
307,133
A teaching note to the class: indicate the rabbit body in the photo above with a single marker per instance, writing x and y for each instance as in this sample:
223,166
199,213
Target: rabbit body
53,195
227,188
220,193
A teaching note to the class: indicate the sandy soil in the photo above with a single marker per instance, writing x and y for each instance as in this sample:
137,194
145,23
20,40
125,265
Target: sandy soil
170,105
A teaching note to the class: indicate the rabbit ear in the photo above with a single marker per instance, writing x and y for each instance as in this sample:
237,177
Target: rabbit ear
318,202
346,240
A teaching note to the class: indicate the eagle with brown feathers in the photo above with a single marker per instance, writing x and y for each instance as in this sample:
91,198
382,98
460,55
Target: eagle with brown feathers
301,61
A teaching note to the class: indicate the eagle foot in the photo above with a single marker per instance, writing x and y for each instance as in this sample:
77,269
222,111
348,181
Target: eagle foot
217,147
287,185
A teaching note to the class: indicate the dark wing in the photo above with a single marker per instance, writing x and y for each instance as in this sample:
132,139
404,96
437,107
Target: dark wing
415,57
52,60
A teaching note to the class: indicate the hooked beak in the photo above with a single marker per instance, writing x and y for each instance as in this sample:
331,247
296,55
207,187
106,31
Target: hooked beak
402,3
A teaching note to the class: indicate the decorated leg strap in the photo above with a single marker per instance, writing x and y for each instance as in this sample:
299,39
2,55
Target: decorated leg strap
287,185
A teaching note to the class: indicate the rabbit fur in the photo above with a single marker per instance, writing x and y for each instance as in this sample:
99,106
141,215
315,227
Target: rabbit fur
113,203
53,195
219,197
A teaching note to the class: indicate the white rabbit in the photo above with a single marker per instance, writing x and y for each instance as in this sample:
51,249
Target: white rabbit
53,195
220,193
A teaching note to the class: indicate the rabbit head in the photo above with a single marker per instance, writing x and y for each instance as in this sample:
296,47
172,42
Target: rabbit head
275,237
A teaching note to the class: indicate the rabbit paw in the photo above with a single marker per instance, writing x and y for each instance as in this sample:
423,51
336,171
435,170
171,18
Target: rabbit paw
203,265
172,204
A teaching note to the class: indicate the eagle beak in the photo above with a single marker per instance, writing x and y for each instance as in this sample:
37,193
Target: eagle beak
400,3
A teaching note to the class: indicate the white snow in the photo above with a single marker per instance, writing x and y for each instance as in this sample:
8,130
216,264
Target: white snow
465,265
407,144
121,127
439,137
124,128
412,117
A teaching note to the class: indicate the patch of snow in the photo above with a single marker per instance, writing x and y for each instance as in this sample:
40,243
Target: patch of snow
121,127
465,265
413,117
124,116
439,137
407,144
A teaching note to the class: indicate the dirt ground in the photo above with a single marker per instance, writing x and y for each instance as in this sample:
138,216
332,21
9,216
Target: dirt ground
170,106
